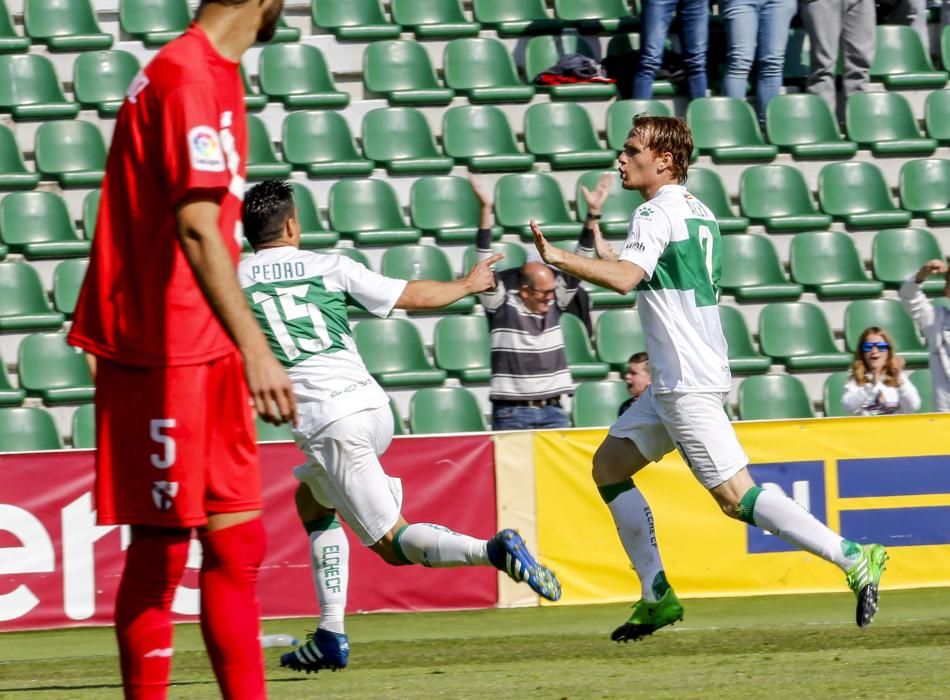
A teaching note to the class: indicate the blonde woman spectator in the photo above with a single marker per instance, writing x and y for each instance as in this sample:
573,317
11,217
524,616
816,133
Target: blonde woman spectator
878,385
933,321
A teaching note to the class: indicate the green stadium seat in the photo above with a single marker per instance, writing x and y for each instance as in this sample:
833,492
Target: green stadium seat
751,270
798,58
433,19
624,48
353,254
925,189
313,234
619,334
596,403
53,370
423,262
101,78
297,75
10,41
13,172
154,22
543,52
617,210
253,100
23,303
562,134
84,427
890,315
445,410
393,352
777,196
262,160
827,263
620,116
31,90
28,430
515,17
9,394
480,138
579,352
743,357
367,212
773,397
901,61
90,212
284,33
67,281
64,25
401,71
446,207
462,347
832,393
320,143
856,193
883,122
37,225
71,152
597,15
268,432
945,46
803,125
726,128
922,380
354,20
3,251
898,253
797,335
937,113
399,139
601,297
522,197
482,70
515,256
399,426
706,186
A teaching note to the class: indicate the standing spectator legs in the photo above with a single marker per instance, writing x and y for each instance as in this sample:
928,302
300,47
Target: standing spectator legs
822,19
741,18
913,13
654,28
774,20
694,36
857,45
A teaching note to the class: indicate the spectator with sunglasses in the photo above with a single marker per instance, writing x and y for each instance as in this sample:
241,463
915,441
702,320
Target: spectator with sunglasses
878,385
933,322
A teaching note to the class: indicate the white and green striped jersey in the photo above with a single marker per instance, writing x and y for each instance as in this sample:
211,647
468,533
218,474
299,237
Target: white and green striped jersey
300,298
675,239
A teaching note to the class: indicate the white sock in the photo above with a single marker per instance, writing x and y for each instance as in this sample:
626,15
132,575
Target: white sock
634,521
783,517
330,563
439,547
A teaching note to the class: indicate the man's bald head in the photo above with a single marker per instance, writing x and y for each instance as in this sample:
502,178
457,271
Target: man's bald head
537,287
537,274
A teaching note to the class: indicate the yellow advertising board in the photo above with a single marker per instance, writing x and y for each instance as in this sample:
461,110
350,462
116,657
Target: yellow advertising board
873,479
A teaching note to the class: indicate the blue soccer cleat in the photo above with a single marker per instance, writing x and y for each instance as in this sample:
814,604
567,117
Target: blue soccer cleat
322,650
508,552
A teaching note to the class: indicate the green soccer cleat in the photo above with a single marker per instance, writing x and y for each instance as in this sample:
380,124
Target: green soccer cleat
648,617
864,577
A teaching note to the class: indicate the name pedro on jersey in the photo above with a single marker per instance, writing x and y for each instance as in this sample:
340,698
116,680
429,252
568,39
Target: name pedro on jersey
279,271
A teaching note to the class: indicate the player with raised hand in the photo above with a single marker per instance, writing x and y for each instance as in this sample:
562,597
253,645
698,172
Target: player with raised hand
300,299
178,356
672,256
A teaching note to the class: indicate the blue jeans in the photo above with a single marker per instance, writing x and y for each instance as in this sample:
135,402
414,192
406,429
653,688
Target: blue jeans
694,36
757,30
528,417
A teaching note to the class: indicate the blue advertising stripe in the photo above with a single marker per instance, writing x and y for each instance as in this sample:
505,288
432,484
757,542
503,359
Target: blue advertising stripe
893,476
898,527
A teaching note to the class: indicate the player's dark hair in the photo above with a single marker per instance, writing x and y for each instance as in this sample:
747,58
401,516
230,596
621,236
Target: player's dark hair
667,135
267,208
638,357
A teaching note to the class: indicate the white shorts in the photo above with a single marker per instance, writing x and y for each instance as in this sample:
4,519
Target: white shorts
343,472
695,424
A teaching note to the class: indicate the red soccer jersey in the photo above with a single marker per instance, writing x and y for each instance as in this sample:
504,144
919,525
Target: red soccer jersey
181,132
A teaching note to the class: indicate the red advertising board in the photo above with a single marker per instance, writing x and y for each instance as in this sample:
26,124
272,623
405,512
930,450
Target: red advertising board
58,568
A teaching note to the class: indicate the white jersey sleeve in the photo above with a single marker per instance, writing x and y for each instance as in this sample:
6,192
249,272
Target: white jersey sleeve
647,237
374,292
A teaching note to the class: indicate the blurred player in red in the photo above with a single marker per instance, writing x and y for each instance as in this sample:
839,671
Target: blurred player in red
179,357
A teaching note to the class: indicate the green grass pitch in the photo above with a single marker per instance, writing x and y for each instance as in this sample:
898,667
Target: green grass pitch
763,647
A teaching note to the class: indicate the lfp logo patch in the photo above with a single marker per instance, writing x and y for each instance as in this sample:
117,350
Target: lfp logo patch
204,149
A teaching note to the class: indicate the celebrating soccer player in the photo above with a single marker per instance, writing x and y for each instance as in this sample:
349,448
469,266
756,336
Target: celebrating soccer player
672,256
179,356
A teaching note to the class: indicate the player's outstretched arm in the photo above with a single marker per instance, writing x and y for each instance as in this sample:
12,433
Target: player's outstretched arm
618,275
428,294
208,257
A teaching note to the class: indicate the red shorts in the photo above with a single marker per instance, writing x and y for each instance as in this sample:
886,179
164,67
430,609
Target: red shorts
175,443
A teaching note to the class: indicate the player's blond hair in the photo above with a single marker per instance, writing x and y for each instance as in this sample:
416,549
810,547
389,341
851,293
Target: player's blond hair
666,135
